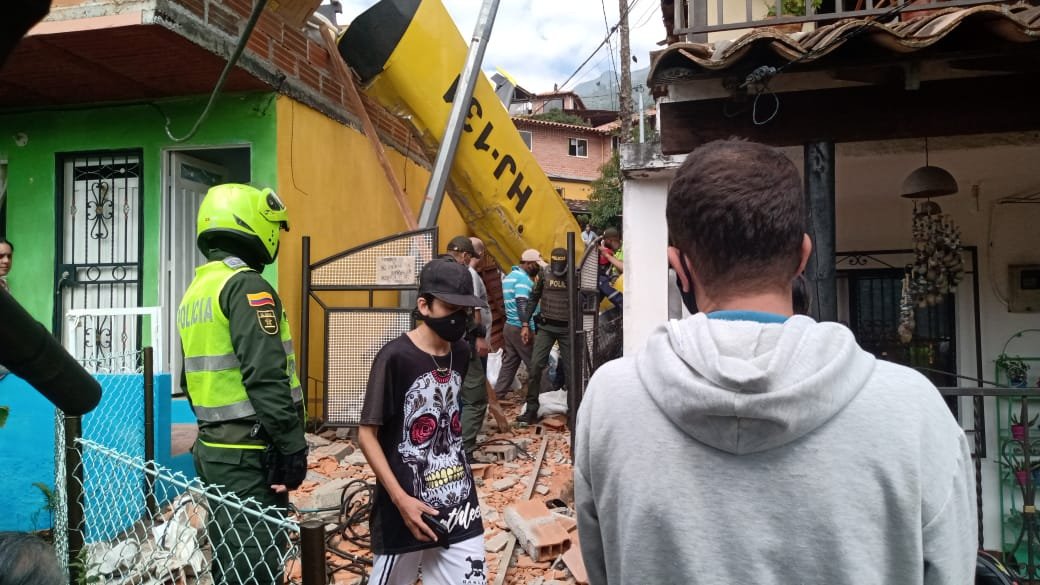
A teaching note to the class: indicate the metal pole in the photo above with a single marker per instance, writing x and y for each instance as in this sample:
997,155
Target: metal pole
459,108
574,376
149,427
978,402
74,495
819,199
312,553
305,322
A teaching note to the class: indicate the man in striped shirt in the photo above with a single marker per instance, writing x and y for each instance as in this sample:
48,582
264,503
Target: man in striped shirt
516,336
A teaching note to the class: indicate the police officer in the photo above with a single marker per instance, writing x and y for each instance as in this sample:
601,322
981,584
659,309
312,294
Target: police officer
240,376
551,293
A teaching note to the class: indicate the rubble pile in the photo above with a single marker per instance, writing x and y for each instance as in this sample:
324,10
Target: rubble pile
545,551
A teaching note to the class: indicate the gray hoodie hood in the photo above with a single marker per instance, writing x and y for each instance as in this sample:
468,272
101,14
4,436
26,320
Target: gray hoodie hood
745,387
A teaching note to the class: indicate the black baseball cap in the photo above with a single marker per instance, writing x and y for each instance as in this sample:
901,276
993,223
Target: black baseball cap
450,282
462,244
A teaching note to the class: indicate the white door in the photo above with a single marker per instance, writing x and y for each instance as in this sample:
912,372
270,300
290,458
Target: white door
188,179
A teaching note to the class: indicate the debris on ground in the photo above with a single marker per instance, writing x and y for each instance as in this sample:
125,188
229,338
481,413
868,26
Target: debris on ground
546,550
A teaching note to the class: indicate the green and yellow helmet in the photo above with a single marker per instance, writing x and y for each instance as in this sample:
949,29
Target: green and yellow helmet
253,216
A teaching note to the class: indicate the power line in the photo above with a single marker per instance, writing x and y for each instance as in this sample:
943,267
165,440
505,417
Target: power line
610,33
645,18
610,49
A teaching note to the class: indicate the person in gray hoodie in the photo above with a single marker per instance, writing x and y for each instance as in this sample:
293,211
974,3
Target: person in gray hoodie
745,444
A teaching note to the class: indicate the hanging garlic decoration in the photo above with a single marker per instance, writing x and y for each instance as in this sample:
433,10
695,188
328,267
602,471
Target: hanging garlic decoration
907,324
938,267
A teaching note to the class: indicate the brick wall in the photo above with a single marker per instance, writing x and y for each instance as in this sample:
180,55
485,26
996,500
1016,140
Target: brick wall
551,147
277,49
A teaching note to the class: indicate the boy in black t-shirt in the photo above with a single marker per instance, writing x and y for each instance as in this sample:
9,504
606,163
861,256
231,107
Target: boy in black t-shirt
425,511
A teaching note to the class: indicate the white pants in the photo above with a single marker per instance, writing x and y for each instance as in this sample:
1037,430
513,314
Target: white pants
459,564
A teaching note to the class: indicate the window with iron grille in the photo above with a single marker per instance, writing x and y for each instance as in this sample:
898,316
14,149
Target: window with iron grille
874,297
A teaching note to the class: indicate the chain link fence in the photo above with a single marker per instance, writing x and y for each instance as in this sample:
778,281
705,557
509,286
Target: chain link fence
201,535
121,518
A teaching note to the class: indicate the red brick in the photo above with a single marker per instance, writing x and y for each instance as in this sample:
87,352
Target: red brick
220,17
318,56
197,7
575,563
283,60
536,529
310,76
294,41
260,44
551,150
242,8
332,89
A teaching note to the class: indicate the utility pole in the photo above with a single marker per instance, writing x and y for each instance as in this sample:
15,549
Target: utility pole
625,91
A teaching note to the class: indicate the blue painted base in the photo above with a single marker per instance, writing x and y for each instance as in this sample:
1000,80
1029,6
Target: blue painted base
27,448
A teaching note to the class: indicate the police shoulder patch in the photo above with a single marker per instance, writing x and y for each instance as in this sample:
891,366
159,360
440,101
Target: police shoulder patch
268,321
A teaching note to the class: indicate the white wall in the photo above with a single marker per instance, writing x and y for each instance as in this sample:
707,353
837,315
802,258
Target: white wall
646,263
872,216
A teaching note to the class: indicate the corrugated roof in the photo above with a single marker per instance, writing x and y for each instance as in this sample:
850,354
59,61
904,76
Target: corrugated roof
767,46
518,120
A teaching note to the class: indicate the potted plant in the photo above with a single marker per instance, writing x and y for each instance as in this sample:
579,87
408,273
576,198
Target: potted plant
1016,370
1018,428
790,8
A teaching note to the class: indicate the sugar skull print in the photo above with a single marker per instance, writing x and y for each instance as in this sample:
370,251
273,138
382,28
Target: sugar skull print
431,444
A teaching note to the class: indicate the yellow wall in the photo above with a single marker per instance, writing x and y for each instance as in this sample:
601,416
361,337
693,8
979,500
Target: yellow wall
336,193
573,189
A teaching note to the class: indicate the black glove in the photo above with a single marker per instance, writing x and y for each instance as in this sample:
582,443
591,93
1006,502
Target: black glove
288,470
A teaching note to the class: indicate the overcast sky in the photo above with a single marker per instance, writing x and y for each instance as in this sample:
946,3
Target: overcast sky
541,42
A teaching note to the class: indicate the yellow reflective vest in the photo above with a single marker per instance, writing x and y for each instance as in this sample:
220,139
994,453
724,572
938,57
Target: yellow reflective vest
211,368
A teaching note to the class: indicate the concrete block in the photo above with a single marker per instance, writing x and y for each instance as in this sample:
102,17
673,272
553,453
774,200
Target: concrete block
503,453
315,441
497,542
338,451
542,490
504,484
511,465
357,459
344,433
329,494
536,530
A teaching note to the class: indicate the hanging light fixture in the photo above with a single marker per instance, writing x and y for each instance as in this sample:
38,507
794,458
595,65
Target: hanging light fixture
928,181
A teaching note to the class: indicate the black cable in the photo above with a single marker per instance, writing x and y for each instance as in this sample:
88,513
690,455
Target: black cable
612,30
519,449
232,61
761,76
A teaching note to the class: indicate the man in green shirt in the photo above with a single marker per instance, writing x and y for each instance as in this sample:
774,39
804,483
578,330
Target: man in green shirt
240,376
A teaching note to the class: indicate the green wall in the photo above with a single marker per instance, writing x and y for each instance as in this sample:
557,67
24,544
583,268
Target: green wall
234,120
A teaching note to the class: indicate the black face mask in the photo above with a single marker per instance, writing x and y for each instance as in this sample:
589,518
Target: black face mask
449,328
688,298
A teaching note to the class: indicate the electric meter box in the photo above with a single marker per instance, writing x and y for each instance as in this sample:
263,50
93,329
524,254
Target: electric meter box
1024,288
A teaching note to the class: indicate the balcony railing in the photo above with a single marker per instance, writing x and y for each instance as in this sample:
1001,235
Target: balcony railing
695,18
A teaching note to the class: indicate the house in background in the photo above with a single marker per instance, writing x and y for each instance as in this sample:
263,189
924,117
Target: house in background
569,154
102,188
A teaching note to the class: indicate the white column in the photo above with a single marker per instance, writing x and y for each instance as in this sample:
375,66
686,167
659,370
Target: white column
645,235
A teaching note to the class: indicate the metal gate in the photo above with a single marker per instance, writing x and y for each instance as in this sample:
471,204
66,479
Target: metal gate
99,228
353,335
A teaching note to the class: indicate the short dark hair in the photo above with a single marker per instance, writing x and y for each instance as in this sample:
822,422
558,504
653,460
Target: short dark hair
27,560
8,242
736,209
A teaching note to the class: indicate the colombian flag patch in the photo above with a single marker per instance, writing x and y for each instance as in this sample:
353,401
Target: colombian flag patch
260,299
